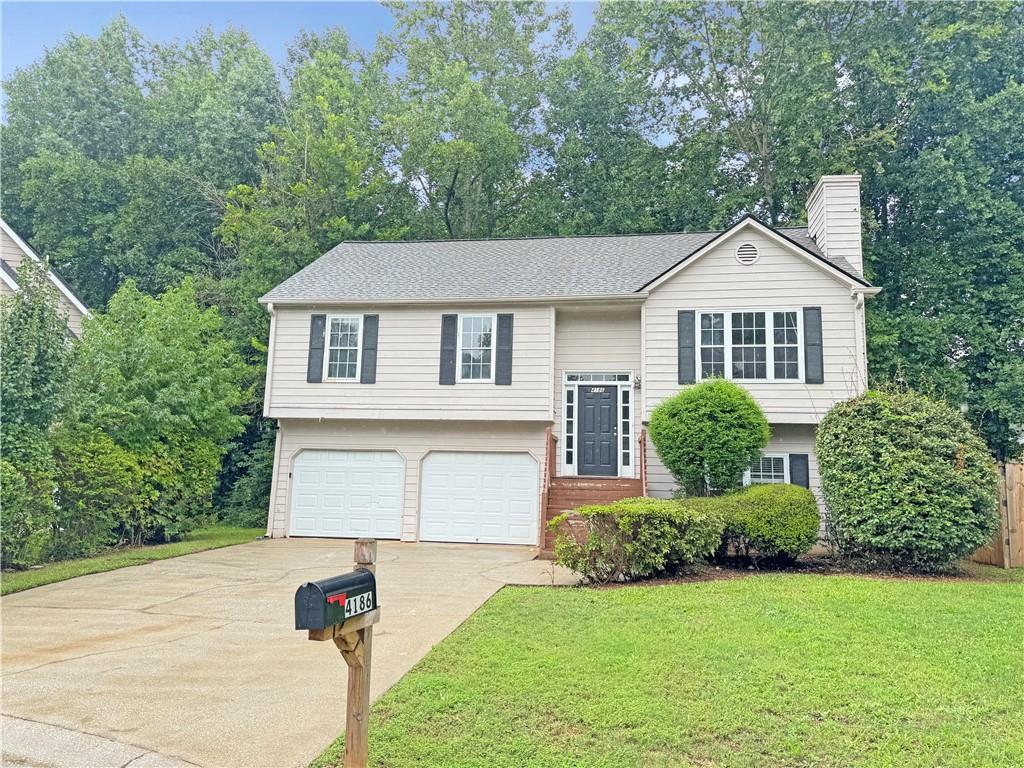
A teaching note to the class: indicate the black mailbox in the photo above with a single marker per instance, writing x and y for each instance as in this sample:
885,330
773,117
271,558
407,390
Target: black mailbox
320,604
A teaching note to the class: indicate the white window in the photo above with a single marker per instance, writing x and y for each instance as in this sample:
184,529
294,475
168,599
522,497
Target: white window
768,469
343,336
749,350
712,345
786,346
476,347
750,346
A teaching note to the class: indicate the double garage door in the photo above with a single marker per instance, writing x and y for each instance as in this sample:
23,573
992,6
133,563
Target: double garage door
466,497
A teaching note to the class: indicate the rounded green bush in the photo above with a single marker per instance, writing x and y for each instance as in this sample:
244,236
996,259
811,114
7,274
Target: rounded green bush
906,481
636,538
708,435
778,522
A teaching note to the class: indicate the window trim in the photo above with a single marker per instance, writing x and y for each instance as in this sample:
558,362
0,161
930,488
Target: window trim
769,344
327,347
771,455
458,347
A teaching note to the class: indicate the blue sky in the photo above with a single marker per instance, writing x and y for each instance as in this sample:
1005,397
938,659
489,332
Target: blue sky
29,28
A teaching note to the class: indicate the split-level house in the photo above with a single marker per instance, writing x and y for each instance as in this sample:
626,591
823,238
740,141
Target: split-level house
468,390
13,251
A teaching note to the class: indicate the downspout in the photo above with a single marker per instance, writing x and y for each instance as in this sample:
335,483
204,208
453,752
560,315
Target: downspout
860,331
272,506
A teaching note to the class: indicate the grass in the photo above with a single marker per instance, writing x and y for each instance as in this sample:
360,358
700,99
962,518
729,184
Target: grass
766,670
213,537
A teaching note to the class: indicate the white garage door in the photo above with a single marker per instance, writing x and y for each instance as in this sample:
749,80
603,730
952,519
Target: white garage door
479,497
347,494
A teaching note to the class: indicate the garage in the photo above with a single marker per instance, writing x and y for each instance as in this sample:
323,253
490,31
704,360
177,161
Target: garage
347,494
488,498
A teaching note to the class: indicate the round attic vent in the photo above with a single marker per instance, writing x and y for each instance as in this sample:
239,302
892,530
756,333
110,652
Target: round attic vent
747,254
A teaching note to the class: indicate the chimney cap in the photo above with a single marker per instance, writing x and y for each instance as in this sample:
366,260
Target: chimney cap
842,178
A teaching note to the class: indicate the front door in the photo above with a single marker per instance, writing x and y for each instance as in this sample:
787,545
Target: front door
599,430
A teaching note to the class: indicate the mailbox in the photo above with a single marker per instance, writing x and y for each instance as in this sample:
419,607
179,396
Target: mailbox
320,604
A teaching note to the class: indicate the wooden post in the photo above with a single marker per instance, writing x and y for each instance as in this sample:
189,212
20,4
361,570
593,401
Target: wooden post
356,647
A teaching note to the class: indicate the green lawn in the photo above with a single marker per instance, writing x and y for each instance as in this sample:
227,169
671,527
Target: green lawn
766,671
202,538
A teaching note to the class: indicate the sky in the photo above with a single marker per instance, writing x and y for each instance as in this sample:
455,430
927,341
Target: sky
27,29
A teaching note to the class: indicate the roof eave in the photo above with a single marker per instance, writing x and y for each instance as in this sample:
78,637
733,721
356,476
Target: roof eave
618,298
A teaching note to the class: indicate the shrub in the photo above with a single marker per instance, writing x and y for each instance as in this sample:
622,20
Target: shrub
708,435
27,508
636,538
906,481
99,487
775,522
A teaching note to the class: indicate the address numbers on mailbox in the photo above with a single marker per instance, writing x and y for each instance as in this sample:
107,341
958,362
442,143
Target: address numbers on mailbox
320,604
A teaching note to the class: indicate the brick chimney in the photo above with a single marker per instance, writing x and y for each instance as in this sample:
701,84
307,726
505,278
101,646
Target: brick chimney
833,218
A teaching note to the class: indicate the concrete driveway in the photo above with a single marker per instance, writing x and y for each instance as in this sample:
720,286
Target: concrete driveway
194,660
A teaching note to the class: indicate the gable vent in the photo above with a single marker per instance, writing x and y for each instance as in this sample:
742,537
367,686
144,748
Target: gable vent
747,254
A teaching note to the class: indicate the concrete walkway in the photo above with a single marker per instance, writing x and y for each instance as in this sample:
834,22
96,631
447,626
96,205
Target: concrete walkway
193,661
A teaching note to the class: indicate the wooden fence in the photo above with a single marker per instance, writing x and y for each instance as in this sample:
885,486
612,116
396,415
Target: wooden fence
1007,548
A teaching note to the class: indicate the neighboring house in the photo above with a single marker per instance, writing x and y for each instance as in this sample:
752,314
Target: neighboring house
469,390
14,250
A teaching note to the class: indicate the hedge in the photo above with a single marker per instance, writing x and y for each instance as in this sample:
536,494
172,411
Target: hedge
907,482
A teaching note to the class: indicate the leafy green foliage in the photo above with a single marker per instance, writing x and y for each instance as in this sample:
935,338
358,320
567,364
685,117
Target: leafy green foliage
906,481
636,538
707,436
100,487
34,366
770,522
159,378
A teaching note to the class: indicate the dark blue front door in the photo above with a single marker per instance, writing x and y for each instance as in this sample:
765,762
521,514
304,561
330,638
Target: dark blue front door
598,430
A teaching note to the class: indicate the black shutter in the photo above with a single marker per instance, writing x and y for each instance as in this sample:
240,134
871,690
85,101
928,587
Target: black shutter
368,363
799,474
449,346
687,351
814,362
503,357
315,366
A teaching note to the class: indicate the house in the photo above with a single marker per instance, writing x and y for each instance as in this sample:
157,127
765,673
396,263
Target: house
468,390
13,251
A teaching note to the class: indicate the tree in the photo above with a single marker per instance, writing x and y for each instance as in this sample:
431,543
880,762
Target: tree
118,154
708,435
160,380
34,365
464,125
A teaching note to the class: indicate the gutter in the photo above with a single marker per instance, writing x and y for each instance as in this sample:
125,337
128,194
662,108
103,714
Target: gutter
620,298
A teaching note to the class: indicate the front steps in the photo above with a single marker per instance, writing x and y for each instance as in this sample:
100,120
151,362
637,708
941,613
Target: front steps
566,493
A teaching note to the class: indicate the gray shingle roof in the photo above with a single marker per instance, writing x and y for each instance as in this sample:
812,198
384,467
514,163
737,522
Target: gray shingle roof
510,268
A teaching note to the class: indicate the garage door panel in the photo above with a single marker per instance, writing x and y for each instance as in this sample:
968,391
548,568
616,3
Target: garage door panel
479,497
347,494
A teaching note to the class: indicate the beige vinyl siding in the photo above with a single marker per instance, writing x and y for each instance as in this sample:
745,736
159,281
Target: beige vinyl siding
408,360
5,289
10,251
597,340
786,438
13,254
413,440
780,279
833,218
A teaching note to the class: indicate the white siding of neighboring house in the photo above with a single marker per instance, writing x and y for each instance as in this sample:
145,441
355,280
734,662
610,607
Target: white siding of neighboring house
779,280
408,362
413,441
12,253
597,340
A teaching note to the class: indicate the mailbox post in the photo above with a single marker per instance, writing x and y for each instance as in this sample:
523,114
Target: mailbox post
344,609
